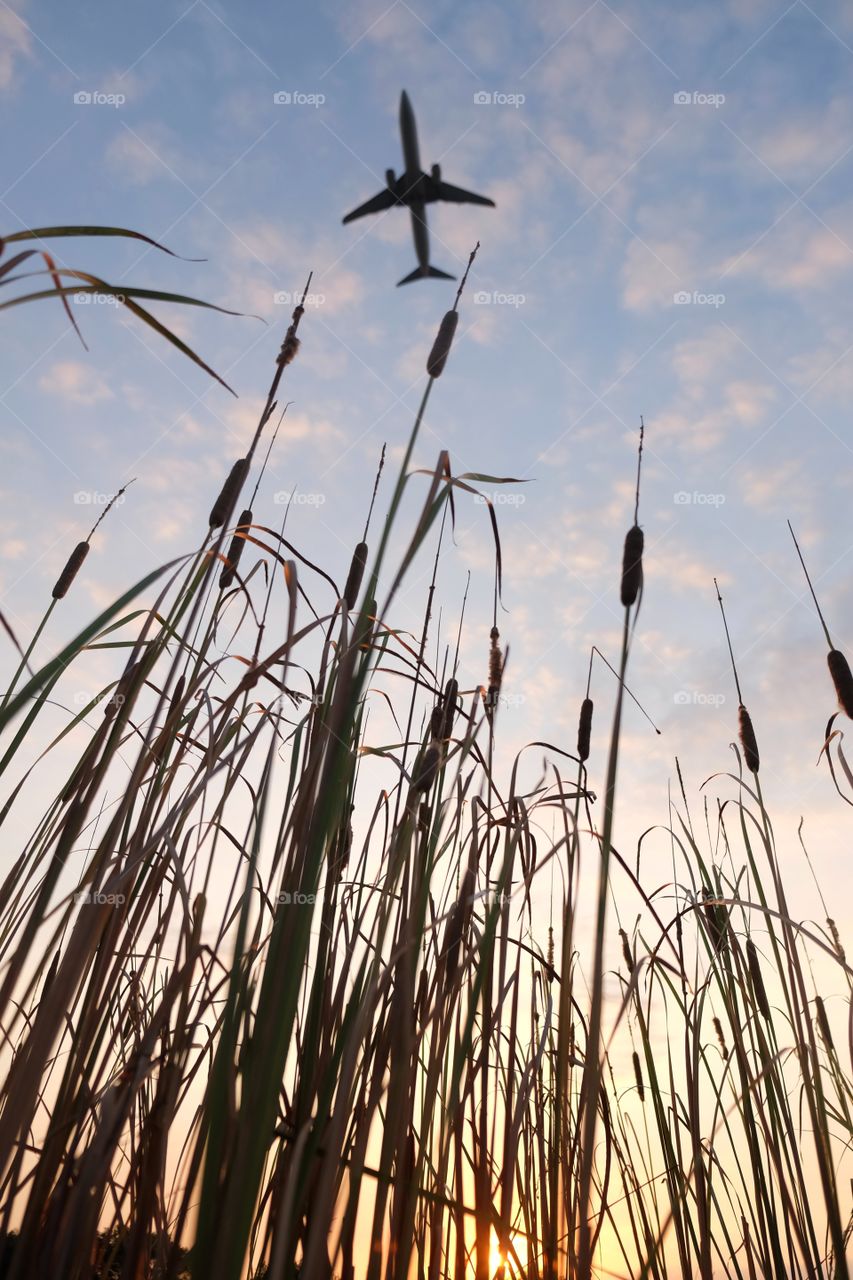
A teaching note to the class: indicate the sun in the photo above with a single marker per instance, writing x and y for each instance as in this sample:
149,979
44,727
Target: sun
510,1260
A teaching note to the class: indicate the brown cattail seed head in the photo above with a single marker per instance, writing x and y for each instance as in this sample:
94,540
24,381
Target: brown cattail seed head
638,1076
626,951
747,739
836,939
451,694
355,575
119,697
550,950
755,977
229,493
823,1023
718,1027
839,669
178,694
453,938
495,672
584,729
72,568
235,550
425,771
717,919
632,565
289,348
441,347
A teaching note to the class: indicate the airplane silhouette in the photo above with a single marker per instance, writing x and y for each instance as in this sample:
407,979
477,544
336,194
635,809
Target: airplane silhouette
414,190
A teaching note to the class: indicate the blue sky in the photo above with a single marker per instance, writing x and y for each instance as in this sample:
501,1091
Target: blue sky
672,238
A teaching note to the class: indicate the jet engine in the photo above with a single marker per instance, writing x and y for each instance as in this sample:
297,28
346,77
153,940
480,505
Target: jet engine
436,173
390,179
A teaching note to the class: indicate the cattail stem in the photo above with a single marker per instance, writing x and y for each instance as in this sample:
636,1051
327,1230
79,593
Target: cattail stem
811,588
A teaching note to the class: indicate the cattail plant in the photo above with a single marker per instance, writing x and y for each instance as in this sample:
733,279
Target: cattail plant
585,729
229,493
72,567
496,667
756,979
238,540
236,547
424,773
449,707
443,342
638,1076
74,562
839,667
355,575
359,556
716,917
632,566
748,741
627,954
746,732
823,1023
440,350
632,553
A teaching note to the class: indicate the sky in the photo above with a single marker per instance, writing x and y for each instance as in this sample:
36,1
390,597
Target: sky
672,239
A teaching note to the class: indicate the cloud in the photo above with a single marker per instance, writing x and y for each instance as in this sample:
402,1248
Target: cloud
774,488
15,44
145,157
797,254
655,269
75,382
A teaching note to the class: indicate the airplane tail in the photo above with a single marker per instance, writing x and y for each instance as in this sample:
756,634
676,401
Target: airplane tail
424,273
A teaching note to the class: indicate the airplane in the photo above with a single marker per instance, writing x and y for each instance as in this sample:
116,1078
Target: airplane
414,190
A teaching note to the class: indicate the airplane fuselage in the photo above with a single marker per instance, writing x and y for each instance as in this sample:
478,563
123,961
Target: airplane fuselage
412,180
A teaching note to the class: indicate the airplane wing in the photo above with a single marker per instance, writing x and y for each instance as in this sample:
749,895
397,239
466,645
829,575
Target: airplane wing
446,191
384,200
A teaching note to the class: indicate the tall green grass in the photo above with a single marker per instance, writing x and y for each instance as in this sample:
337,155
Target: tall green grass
264,1016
